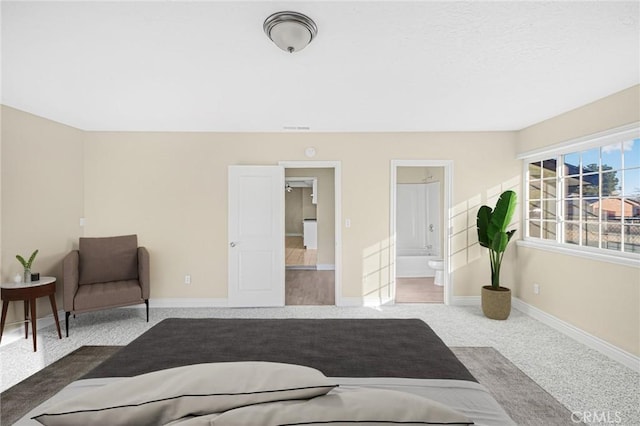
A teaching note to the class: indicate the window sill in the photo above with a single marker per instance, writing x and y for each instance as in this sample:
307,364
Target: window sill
620,259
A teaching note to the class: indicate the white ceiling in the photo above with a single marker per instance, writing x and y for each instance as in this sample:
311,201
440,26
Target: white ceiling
374,66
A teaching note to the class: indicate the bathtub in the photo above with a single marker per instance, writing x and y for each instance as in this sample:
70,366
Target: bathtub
411,263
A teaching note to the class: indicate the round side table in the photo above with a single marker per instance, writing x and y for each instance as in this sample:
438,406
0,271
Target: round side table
28,293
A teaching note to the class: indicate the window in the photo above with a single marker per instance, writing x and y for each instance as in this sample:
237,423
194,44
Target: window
588,197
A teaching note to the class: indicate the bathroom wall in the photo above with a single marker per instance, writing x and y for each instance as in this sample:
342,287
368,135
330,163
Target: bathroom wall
426,175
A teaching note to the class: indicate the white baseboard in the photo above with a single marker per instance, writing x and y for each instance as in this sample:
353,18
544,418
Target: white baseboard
465,300
623,357
17,333
325,267
188,303
349,301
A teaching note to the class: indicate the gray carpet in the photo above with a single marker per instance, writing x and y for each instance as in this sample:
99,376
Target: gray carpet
525,401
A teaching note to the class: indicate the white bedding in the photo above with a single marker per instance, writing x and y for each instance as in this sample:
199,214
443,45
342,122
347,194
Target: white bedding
469,398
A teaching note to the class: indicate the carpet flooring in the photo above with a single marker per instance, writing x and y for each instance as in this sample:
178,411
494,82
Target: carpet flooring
521,397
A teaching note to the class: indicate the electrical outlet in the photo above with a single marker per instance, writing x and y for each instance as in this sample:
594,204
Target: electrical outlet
536,288
187,279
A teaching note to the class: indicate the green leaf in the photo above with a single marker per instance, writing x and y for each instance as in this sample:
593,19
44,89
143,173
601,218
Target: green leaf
21,260
482,225
502,214
500,241
32,258
27,263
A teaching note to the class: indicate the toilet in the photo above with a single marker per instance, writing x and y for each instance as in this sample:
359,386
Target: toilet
438,266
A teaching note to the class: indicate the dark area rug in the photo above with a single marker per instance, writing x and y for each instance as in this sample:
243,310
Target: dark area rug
522,398
525,401
18,400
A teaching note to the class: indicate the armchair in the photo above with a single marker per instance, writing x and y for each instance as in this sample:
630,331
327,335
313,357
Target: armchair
105,273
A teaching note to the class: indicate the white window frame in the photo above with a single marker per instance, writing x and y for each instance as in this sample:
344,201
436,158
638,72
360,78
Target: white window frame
556,151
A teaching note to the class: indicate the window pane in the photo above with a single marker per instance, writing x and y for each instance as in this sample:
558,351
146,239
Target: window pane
591,185
591,209
590,160
571,233
610,209
612,236
534,210
549,211
611,184
548,230
632,238
631,210
549,188
572,187
631,153
612,156
535,171
591,234
534,189
549,168
631,183
572,209
571,164
534,229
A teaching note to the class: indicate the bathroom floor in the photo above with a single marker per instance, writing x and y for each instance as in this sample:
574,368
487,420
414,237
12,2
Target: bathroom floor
418,290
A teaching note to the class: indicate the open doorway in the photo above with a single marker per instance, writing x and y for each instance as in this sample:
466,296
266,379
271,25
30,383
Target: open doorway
420,194
310,235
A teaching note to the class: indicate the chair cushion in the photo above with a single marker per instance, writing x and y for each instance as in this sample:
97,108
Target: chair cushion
108,259
106,295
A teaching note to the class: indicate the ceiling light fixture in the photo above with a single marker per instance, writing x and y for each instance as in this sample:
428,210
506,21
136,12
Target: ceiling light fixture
290,31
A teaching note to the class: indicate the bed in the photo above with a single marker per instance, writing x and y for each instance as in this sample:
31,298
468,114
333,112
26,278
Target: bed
388,358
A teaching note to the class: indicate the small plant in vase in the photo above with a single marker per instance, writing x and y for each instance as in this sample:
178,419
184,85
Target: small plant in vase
26,264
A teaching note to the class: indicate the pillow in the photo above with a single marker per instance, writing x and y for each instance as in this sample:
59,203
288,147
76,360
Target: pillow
360,406
108,259
166,395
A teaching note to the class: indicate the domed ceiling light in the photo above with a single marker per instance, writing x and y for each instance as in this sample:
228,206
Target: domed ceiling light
290,31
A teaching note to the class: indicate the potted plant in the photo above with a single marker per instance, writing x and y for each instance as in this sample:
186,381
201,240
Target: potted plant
493,234
26,264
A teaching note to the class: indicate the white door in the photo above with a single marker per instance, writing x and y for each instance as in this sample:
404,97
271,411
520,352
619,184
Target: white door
256,236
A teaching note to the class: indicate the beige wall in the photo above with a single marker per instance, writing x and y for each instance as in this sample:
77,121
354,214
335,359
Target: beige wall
42,197
601,298
613,111
309,210
171,189
293,212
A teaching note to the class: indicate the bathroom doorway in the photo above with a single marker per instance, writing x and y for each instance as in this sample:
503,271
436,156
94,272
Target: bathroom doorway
420,194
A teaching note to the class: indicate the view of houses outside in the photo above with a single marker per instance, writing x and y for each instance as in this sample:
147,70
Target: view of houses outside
588,198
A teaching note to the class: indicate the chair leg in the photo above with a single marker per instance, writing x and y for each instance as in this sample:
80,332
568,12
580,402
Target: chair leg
146,302
66,321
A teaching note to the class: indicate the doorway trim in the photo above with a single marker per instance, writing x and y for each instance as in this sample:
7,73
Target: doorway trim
448,199
337,182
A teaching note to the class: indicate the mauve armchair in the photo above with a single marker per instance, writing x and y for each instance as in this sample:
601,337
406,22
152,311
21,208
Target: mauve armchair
105,273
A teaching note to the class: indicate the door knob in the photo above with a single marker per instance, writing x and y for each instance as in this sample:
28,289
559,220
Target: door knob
232,244
431,228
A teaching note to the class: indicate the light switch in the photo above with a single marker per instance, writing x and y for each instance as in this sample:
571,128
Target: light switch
347,223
